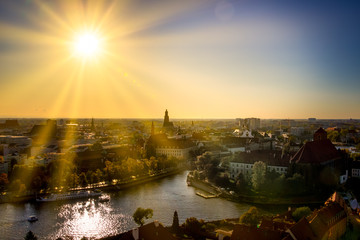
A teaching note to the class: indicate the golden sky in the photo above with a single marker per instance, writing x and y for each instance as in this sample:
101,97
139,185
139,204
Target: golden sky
199,59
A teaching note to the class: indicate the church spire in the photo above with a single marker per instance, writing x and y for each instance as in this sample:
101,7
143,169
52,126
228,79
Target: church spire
152,128
92,124
166,118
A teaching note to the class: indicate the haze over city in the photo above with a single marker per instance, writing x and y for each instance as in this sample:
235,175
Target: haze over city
201,59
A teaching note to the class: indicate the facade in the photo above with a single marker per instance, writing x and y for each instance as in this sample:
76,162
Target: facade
249,123
244,162
160,144
178,152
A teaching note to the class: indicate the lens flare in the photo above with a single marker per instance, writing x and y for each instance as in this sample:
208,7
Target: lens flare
87,45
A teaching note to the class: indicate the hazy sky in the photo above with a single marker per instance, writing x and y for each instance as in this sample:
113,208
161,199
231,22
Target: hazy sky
197,58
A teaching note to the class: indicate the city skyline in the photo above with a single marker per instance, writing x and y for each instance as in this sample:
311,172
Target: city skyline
200,59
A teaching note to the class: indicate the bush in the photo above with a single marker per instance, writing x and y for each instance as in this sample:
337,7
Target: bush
251,217
301,212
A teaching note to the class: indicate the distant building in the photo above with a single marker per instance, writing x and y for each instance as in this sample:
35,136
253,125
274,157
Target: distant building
44,133
249,123
10,124
311,119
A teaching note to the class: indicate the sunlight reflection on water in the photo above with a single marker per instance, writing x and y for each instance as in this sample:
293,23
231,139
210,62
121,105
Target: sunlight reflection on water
93,218
90,219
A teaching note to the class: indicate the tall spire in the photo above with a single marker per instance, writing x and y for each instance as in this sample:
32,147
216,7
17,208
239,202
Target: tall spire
166,118
152,128
92,124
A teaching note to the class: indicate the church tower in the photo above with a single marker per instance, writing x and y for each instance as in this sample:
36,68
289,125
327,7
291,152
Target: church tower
166,119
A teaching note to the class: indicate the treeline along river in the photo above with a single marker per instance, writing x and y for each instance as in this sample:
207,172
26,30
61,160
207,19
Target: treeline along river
91,218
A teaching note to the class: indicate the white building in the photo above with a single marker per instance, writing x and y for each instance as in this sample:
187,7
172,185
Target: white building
172,151
244,162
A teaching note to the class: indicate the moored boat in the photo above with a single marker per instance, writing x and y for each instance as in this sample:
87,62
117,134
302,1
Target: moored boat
32,219
68,196
104,199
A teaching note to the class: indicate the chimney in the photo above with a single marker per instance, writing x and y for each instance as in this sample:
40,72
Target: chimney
156,222
135,233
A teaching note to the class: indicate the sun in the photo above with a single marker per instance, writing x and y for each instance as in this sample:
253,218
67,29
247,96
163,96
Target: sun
87,45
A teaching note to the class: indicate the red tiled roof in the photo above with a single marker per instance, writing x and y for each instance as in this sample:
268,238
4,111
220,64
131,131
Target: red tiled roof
275,224
316,152
243,232
323,219
150,231
302,230
154,231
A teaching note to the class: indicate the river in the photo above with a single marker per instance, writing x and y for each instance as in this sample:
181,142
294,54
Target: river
91,218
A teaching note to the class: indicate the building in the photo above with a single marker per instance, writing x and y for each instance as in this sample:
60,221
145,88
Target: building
10,124
249,123
244,162
244,232
161,145
150,231
41,134
318,154
167,123
328,222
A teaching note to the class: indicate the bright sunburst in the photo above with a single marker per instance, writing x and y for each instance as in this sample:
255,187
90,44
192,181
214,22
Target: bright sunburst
87,45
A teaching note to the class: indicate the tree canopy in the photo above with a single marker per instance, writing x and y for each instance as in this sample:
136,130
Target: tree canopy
141,214
258,174
251,217
30,236
301,212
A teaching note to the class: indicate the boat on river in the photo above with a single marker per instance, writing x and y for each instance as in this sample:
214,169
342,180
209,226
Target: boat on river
104,199
68,196
32,219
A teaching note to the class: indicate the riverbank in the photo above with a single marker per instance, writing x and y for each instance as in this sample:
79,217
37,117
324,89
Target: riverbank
254,200
116,186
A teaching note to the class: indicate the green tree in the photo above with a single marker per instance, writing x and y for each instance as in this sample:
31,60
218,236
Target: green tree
99,175
258,175
334,136
83,180
30,236
141,214
251,217
194,226
73,180
175,224
301,212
